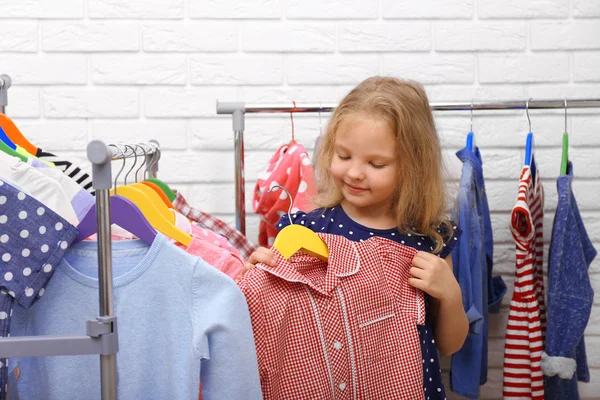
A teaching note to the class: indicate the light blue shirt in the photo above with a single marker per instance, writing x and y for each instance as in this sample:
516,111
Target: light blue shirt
180,321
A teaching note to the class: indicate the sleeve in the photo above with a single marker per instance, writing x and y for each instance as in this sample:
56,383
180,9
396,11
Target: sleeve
450,240
224,340
466,363
521,224
465,266
570,297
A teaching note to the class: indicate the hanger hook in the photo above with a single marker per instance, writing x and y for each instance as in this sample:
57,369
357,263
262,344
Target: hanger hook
471,116
565,115
134,163
291,200
148,171
122,166
527,111
157,153
143,163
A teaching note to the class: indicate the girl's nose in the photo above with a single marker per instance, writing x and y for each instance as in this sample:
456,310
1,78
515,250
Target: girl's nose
355,172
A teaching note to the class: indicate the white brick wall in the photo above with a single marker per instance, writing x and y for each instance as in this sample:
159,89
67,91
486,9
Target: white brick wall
142,69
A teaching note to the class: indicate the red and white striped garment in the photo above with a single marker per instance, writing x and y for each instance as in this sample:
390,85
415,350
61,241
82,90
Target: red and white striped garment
523,377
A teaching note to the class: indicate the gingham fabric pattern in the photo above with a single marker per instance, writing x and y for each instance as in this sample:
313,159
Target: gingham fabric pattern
346,329
207,221
523,377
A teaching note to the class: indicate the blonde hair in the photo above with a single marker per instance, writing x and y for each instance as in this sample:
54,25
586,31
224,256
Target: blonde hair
419,201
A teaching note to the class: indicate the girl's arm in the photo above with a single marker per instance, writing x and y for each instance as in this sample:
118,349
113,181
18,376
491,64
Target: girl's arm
448,318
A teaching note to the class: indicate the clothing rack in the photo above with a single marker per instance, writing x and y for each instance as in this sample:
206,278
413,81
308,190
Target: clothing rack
102,333
5,83
239,109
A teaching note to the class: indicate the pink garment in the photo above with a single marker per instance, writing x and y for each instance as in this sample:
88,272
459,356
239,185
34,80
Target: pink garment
291,168
214,238
222,259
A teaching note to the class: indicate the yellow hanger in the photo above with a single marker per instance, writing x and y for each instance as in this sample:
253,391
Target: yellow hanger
150,210
158,202
294,238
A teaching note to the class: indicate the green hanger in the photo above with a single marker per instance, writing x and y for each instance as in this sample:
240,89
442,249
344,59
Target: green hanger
4,147
565,154
164,187
565,147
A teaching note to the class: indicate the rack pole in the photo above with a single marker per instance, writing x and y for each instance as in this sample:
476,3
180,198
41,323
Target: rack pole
100,156
5,83
239,109
240,179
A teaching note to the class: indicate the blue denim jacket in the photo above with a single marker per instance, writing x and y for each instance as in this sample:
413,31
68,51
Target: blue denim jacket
570,297
473,262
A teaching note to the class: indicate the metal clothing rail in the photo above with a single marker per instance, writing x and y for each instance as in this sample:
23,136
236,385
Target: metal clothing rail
239,109
5,83
101,334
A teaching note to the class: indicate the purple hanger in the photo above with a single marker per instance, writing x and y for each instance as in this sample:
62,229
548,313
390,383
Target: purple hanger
124,213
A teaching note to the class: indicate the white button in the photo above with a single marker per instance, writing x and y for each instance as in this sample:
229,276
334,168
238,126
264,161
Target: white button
337,345
342,386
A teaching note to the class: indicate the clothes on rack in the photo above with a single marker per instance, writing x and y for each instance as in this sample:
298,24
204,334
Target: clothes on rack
235,237
473,264
335,221
327,330
526,319
570,297
68,168
291,168
33,160
33,241
222,259
175,311
44,189
80,199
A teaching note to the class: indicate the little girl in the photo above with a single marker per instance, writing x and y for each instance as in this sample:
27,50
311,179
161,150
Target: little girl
379,171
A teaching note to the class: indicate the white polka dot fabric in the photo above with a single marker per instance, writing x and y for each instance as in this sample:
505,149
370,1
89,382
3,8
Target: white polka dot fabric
33,240
291,168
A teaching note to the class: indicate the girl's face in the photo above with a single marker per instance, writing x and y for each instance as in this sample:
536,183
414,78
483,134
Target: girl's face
364,164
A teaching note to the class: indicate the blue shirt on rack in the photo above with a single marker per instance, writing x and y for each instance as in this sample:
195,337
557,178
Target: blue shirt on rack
335,221
473,262
180,321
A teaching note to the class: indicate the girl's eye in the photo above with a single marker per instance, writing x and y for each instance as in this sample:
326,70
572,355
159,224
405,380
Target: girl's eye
377,166
343,157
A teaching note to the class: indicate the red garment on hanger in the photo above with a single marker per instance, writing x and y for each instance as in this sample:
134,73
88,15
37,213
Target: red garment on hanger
342,329
291,168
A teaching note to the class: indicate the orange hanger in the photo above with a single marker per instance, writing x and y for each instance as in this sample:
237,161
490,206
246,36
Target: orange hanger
162,194
15,135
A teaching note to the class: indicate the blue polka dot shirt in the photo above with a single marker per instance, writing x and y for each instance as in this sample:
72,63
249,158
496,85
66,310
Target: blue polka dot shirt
335,221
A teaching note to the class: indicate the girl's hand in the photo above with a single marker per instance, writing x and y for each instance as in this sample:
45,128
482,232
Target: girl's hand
434,276
261,255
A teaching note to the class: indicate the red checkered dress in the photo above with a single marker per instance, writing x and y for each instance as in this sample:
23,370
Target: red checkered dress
234,236
346,329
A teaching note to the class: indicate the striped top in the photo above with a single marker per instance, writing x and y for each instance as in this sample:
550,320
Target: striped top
523,377
68,168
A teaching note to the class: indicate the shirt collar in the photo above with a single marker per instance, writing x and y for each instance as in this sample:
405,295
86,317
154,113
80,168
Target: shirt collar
344,261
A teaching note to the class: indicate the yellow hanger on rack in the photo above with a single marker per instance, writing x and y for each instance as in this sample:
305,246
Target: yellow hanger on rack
152,213
294,238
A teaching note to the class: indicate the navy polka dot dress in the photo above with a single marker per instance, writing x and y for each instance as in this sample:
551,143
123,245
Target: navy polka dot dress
335,221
